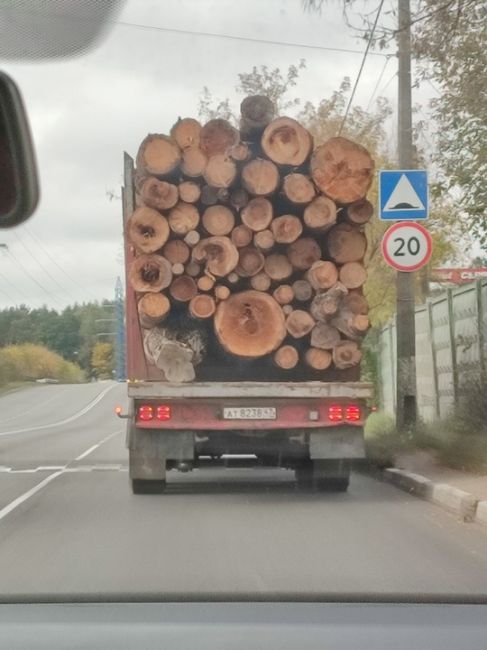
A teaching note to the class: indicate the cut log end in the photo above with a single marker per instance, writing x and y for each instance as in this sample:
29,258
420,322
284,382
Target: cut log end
158,155
241,236
176,251
218,220
251,261
346,354
153,308
260,177
298,189
324,336
286,229
159,195
257,214
219,254
257,111
183,218
206,283
150,273
299,323
186,132
346,244
320,214
353,275
286,142
360,212
318,359
183,288
202,306
260,282
303,291
194,162
217,137
322,275
304,253
147,230
264,240
278,267
222,292
286,357
191,238
221,170
189,191
284,294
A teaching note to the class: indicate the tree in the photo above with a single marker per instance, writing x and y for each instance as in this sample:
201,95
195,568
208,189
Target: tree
102,360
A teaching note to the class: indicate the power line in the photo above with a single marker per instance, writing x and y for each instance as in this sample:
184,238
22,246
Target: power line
369,42
386,62
5,293
29,275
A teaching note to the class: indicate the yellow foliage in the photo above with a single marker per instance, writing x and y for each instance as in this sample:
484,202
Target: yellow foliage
28,362
102,360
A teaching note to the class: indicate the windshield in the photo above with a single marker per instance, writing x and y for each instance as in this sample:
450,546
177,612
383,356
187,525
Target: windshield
262,240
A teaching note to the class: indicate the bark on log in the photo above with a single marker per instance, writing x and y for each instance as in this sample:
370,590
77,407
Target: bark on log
222,292
206,283
286,142
240,152
260,177
193,269
353,326
191,238
257,214
286,229
304,253
183,288
356,303
239,198
346,244
318,359
322,275
264,240
241,236
303,291
320,214
159,195
325,305
221,171
202,306
150,273
346,354
260,282
217,137
147,230
183,218
284,294
158,155
193,162
342,169
176,358
250,262
186,132
223,195
353,275
299,323
218,220
209,195
286,357
176,251
257,111
360,212
219,254
189,192
153,308
177,269
250,324
324,336
298,189
278,267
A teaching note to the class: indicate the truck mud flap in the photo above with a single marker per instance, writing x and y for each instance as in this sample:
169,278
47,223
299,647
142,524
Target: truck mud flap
337,442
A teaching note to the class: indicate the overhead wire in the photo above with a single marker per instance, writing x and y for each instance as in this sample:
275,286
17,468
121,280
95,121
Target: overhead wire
381,75
29,275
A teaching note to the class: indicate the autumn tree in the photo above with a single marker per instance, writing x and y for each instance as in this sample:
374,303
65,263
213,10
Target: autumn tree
102,360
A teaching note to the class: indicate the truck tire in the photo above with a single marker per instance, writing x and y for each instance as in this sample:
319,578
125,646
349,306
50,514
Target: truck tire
142,486
323,475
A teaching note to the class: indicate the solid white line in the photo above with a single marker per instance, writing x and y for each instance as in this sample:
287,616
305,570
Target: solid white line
23,497
98,444
76,416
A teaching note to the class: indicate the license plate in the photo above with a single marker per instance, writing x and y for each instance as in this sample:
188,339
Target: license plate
249,413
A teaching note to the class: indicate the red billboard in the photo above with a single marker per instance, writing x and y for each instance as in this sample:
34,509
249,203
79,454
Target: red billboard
458,276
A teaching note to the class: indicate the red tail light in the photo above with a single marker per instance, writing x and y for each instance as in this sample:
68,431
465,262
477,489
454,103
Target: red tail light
335,412
352,413
163,412
146,412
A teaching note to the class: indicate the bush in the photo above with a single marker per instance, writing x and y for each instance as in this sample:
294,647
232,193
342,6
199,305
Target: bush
29,362
382,441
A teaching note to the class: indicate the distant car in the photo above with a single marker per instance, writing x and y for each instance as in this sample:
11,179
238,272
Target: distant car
47,380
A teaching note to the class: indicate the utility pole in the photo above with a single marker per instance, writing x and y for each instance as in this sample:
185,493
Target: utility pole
120,372
405,282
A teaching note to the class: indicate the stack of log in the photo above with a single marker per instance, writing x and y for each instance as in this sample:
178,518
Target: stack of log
257,238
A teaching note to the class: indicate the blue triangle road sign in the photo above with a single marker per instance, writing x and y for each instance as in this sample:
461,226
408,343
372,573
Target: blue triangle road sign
403,194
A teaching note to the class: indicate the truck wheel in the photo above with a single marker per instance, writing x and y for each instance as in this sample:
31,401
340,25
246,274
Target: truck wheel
304,475
141,486
323,476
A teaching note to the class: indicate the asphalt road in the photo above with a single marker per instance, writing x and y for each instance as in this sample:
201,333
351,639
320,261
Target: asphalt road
69,523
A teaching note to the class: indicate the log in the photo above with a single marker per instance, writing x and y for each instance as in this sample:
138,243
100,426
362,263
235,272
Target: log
159,195
209,195
286,357
206,283
303,291
299,323
346,244
286,229
176,358
233,277
257,111
318,359
150,273
183,288
356,303
193,162
240,152
322,275
325,305
176,251
177,269
223,195
342,169
264,240
324,336
219,254
193,269
287,309
257,214
260,177
250,324
250,262
202,306
241,236
360,212
284,294
221,171
189,192
353,275
346,354
353,326
186,132
217,137
147,230
183,218
222,292
191,238
298,189
260,282
278,267
218,220
239,198
153,308
158,155
286,142
321,214
303,253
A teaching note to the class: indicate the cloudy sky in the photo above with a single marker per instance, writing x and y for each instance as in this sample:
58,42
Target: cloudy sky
86,111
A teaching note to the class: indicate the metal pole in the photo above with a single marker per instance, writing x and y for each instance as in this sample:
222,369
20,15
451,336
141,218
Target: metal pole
120,372
405,324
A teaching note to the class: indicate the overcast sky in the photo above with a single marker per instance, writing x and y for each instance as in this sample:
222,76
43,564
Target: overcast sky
86,111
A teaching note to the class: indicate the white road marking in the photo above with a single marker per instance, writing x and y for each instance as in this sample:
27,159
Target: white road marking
23,497
72,418
91,449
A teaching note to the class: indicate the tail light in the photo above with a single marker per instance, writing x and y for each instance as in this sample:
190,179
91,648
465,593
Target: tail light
335,412
349,412
163,412
146,412
352,413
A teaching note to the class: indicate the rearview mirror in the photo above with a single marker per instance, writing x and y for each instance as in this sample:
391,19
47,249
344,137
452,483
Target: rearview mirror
19,189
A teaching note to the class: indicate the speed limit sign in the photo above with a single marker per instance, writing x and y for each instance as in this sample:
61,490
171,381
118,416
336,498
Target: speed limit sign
407,246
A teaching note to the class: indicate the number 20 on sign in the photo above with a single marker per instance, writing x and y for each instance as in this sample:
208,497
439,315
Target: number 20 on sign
407,246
